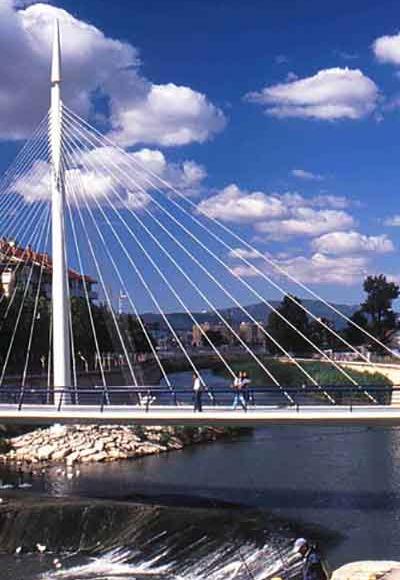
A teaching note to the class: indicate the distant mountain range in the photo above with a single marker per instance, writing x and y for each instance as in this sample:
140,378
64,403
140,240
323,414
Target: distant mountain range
182,321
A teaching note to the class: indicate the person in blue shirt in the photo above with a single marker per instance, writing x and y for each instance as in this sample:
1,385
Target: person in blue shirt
313,568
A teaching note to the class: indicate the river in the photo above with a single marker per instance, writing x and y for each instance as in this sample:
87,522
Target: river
228,510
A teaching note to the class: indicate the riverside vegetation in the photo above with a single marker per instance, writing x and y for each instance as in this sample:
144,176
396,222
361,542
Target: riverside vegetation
291,376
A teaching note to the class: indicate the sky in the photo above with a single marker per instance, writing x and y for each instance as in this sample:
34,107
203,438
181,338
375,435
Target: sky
280,119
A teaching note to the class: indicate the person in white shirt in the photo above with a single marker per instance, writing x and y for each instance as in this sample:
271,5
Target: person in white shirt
197,393
238,387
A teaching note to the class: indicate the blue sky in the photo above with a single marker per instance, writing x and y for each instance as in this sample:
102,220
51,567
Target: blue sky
291,108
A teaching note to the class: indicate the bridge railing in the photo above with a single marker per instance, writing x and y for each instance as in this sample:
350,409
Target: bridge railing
148,397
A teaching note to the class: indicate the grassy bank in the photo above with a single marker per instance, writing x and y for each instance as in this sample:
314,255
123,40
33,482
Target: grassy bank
290,375
286,373
326,375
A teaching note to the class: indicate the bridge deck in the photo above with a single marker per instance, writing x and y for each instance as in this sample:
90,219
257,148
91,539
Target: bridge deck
320,415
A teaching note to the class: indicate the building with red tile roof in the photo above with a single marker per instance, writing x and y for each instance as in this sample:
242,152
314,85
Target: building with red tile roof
17,263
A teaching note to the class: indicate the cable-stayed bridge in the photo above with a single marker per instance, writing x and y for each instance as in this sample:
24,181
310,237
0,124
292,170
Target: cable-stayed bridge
74,202
162,406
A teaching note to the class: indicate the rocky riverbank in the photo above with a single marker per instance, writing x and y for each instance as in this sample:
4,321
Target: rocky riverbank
368,570
89,443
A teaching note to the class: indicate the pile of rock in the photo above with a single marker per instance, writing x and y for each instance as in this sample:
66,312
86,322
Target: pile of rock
91,443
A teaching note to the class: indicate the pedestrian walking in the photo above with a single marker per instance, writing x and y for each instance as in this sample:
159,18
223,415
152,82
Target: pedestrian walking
197,393
245,386
313,566
237,388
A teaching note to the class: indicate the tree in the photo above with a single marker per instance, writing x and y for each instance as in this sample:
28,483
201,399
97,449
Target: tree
81,324
354,335
18,316
15,329
321,336
382,321
283,333
135,335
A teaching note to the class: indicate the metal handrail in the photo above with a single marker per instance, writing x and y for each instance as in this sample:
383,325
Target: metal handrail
20,394
164,390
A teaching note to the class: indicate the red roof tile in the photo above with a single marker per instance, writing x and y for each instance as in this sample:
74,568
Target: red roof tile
28,255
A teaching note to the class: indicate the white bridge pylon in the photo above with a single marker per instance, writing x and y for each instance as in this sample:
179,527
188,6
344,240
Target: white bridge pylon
60,294
115,216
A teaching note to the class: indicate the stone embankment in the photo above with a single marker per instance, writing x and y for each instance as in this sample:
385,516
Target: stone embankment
88,443
368,570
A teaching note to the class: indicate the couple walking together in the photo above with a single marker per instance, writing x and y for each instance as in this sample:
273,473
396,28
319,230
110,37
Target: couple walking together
240,387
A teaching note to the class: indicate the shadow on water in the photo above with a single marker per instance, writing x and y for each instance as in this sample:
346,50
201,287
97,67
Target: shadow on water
276,498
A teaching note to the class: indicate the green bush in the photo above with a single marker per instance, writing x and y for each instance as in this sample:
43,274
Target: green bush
140,432
165,438
4,445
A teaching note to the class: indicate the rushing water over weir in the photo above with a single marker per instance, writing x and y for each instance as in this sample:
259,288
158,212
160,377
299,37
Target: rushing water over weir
107,540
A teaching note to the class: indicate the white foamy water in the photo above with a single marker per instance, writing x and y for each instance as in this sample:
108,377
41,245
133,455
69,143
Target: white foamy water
114,564
244,563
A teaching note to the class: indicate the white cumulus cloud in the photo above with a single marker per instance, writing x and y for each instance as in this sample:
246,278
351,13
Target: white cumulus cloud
330,94
244,254
139,170
35,184
306,175
393,221
343,243
234,205
139,111
306,222
269,211
387,49
316,269
121,180
332,201
168,115
321,269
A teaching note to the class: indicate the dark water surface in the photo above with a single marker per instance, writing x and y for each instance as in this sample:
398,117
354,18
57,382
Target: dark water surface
340,485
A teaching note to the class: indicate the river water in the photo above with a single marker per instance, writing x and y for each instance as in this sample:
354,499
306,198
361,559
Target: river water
224,510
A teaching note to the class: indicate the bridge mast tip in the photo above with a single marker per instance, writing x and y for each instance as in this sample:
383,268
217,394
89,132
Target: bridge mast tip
56,60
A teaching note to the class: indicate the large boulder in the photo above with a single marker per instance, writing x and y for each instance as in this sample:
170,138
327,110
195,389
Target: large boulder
44,453
368,570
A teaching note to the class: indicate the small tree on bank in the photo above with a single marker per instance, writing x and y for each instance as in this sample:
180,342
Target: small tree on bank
354,334
376,314
283,333
321,335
